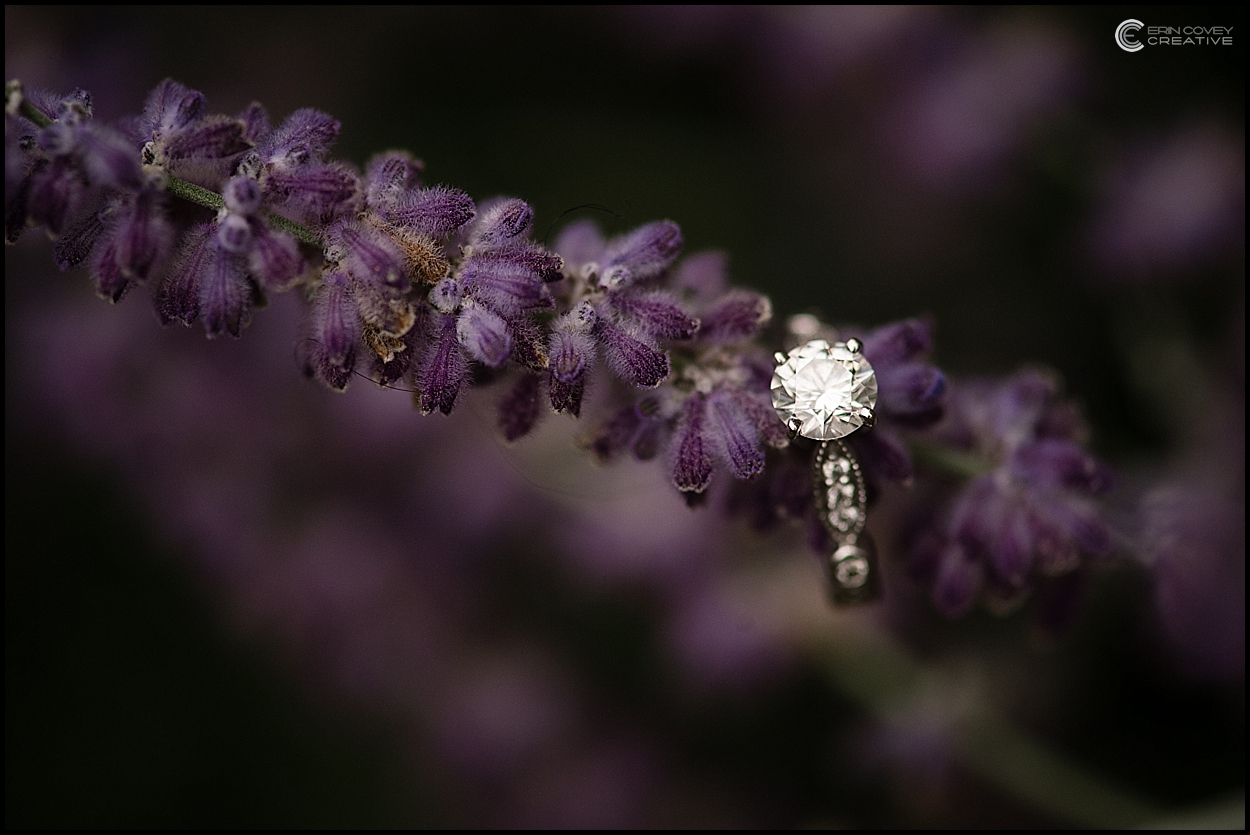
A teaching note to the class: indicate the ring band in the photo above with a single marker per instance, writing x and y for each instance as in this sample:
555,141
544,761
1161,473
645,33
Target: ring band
827,391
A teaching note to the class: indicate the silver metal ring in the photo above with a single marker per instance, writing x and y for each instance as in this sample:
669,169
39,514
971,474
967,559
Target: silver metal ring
826,391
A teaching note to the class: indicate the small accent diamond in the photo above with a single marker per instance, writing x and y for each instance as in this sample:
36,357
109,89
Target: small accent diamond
851,572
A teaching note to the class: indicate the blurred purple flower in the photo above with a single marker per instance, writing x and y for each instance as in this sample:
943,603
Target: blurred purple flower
959,123
1173,207
1031,514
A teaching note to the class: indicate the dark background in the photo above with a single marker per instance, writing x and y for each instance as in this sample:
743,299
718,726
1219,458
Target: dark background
127,704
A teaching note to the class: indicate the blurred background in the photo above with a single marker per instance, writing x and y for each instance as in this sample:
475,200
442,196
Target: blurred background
234,598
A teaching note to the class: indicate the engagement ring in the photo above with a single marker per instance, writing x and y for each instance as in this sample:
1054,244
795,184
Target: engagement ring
826,391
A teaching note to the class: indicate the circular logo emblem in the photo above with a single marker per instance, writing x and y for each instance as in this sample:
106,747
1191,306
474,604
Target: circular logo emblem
1126,35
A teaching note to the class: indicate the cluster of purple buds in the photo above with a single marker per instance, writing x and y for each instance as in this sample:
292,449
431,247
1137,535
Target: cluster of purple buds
418,286
710,402
1031,514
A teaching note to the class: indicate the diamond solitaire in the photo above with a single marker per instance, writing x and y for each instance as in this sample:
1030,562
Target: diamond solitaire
825,392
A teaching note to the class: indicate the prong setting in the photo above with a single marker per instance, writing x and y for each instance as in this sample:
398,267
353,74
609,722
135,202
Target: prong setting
830,389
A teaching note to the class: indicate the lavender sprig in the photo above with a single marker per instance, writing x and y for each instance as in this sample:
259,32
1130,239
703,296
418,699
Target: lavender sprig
419,286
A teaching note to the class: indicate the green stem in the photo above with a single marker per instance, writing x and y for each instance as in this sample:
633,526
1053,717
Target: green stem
212,200
963,464
301,233
34,114
197,194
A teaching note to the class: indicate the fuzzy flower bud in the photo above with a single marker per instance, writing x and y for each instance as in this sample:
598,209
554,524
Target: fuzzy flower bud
234,234
691,458
484,335
642,254
632,356
446,295
242,195
504,221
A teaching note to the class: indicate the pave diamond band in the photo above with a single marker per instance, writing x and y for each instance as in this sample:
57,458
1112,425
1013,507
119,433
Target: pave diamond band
842,504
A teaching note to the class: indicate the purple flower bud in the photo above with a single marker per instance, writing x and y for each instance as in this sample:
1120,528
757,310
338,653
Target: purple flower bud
518,411
759,409
656,313
105,272
566,397
649,439
732,435
445,296
74,108
368,255
692,462
177,298
305,136
43,101
438,212
615,277
144,235
234,234
739,314
242,195
581,318
18,133
387,371
75,246
884,455
1012,557
274,259
1064,524
958,583
336,330
255,121
216,137
389,175
109,158
57,190
317,187
898,342
645,252
225,294
443,369
570,355
529,343
545,265
504,285
580,243
617,434
1019,405
484,334
1060,463
976,516
703,275
632,357
58,139
170,107
502,222
909,387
